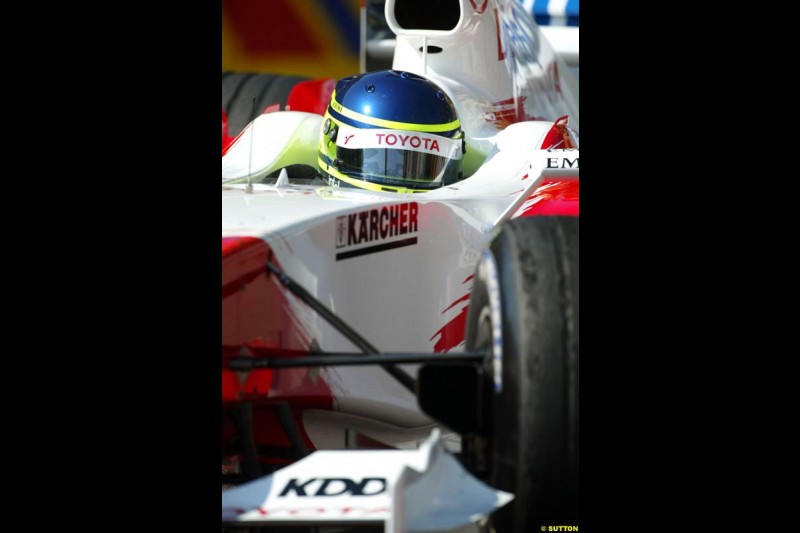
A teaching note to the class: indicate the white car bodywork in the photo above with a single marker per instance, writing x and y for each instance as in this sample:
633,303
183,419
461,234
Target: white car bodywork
401,299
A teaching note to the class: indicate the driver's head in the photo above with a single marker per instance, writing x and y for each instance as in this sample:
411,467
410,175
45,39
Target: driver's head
390,131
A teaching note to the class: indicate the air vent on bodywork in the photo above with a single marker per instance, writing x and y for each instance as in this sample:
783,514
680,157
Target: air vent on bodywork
440,15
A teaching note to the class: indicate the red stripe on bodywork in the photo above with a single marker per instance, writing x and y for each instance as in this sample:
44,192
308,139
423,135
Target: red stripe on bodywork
231,245
553,197
500,54
464,298
257,319
452,333
558,136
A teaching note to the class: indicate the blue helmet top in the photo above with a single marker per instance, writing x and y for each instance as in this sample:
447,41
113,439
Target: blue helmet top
391,130
395,96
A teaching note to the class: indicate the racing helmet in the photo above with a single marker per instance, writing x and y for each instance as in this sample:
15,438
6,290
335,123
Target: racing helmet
390,131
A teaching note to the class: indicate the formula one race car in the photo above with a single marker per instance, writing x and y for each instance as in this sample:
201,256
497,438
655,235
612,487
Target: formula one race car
400,287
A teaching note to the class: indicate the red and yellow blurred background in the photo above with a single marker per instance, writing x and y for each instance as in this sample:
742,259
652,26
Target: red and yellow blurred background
313,38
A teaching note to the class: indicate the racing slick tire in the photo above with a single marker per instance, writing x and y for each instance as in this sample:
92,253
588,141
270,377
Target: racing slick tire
525,300
239,89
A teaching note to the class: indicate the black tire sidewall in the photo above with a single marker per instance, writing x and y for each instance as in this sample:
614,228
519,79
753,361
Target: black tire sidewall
533,441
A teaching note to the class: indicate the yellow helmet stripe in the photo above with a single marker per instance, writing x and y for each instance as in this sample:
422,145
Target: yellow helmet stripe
429,128
364,184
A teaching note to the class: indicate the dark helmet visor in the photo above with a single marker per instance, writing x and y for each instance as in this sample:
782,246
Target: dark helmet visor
416,160
398,167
